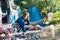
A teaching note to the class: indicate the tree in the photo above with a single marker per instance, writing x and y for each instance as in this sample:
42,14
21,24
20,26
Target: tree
53,5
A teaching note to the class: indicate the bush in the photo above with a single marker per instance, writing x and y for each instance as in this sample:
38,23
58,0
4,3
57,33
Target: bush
56,16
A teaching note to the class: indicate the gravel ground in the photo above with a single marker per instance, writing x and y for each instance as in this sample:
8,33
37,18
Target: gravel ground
57,35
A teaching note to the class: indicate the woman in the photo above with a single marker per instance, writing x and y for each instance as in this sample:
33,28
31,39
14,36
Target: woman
24,22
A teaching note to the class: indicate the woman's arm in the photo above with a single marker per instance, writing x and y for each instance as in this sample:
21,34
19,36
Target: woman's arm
32,23
28,26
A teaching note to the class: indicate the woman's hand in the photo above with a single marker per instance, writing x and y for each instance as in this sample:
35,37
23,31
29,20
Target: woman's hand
32,27
46,22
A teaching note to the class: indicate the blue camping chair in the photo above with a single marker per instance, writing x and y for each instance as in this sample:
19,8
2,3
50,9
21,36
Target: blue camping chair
35,15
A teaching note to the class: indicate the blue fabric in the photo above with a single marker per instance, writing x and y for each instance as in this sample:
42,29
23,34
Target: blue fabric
22,23
34,14
11,18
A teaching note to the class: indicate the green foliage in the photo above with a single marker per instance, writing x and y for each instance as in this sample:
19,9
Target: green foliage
44,10
17,2
41,4
56,16
56,5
